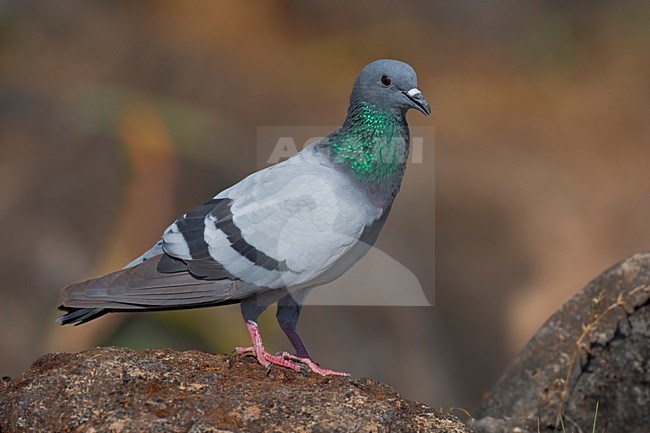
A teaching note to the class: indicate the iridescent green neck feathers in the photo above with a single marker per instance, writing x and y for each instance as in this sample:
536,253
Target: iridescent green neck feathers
372,144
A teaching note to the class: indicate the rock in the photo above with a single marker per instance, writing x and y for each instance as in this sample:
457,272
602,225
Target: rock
600,341
119,390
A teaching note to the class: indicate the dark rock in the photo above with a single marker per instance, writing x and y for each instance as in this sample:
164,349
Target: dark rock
119,390
595,349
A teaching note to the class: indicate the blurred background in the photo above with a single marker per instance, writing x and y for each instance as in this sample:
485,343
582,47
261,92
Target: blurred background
116,117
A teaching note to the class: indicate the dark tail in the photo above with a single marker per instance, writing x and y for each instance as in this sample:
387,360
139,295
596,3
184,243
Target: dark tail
144,288
78,316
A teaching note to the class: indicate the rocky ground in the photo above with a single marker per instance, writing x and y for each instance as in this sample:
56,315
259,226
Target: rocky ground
119,390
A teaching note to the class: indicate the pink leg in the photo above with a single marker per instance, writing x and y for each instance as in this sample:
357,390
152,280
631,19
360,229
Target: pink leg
264,358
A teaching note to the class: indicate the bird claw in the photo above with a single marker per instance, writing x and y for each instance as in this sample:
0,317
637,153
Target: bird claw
296,363
267,359
244,350
308,364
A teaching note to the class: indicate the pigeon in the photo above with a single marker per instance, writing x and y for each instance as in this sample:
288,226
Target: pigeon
281,231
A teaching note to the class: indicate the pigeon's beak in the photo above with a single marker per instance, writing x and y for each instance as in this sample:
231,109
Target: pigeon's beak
417,101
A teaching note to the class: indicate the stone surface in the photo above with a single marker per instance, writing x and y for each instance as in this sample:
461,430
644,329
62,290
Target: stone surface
600,341
119,390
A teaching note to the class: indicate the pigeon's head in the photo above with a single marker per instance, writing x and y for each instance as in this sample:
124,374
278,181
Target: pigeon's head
389,85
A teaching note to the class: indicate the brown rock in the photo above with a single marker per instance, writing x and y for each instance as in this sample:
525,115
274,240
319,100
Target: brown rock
119,390
594,349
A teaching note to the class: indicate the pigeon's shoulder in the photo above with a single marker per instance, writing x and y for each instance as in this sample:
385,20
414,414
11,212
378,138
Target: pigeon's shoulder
307,177
308,162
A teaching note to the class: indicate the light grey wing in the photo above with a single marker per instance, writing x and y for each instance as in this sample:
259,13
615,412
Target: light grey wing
280,227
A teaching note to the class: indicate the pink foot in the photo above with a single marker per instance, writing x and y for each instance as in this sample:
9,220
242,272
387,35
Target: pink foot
284,359
263,357
266,359
312,365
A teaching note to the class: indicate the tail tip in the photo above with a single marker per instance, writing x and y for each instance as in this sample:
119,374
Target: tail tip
78,316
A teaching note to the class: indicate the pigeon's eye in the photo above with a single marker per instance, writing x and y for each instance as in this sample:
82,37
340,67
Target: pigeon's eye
385,80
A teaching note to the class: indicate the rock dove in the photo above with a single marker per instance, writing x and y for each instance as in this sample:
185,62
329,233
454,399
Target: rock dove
279,232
